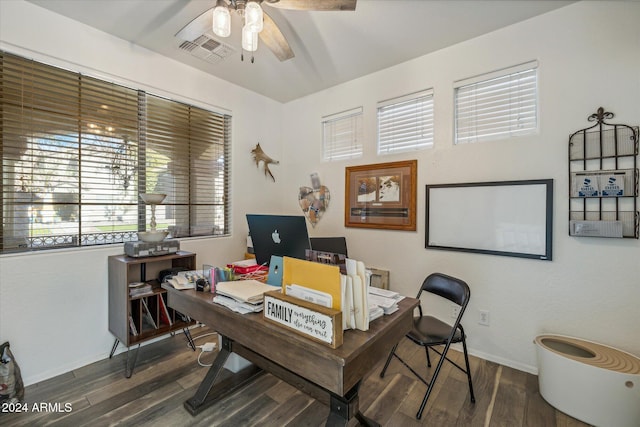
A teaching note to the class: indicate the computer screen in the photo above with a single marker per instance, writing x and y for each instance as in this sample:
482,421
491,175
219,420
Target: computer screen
336,245
281,235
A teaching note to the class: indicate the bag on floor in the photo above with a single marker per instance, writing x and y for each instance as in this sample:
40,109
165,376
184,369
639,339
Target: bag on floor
11,386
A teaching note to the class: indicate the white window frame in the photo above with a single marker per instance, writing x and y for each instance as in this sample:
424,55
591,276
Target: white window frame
406,123
342,135
497,105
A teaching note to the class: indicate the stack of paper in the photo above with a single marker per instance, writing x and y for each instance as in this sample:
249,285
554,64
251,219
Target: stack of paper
387,305
242,296
385,299
184,280
238,306
140,288
375,311
180,283
250,291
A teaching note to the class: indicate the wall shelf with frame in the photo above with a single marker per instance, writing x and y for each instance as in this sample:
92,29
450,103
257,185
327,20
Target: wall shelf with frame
603,179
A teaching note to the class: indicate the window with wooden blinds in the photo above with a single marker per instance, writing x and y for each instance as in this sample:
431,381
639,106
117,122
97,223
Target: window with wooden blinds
77,152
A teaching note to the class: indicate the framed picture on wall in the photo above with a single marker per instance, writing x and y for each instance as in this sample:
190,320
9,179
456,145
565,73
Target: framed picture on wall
381,195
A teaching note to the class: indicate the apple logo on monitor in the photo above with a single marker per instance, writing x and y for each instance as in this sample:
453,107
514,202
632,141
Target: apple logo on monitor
275,236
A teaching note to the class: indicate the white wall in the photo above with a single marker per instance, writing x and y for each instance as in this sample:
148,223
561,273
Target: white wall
53,306
589,56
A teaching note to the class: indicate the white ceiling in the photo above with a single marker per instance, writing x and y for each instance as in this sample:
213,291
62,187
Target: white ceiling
329,47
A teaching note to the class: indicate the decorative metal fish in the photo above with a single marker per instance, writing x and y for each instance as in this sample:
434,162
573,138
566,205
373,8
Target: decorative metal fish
260,156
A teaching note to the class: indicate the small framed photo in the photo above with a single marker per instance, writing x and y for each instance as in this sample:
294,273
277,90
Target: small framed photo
381,195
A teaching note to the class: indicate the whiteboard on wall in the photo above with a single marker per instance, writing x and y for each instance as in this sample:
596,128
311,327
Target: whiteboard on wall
511,218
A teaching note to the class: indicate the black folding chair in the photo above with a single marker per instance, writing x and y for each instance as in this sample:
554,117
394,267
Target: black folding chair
429,331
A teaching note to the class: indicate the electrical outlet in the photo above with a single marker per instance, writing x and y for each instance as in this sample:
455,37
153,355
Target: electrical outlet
455,311
484,317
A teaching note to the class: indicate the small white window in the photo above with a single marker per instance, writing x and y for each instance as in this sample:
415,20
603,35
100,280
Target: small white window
405,123
342,135
497,105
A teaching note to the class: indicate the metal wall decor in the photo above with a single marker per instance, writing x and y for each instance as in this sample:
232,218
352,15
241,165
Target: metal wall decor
603,179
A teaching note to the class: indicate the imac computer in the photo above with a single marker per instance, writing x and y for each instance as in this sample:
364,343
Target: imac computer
281,235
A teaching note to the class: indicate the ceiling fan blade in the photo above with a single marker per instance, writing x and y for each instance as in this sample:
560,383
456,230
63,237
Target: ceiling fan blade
326,5
274,39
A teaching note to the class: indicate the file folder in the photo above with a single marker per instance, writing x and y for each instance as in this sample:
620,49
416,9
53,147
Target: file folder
356,272
321,277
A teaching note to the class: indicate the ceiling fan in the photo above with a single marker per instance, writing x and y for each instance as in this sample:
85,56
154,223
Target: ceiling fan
196,35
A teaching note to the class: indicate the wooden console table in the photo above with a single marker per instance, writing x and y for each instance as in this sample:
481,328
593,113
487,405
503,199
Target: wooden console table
333,376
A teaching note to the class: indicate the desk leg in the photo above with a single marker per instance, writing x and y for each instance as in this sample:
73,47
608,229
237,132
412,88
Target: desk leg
207,394
343,408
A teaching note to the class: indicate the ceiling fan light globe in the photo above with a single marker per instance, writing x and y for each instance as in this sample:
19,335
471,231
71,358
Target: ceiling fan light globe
253,16
221,21
249,39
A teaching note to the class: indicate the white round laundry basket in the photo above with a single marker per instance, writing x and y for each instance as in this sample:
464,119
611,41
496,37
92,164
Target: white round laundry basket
594,383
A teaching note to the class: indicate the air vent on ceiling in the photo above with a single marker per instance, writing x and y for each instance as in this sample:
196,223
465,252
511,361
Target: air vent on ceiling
207,48
188,46
208,43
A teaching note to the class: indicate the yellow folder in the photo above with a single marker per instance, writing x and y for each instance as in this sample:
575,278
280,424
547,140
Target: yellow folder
313,275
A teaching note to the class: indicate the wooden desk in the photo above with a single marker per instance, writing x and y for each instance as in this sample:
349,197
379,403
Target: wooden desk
331,376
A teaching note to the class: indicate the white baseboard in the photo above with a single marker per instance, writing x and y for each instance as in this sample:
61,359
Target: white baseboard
505,362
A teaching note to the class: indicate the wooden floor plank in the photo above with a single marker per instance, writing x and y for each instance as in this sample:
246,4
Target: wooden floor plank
389,399
251,414
282,392
131,409
311,416
510,402
538,412
167,374
483,375
229,406
418,361
285,413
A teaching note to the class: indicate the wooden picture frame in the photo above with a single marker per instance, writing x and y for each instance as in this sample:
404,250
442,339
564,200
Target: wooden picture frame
381,195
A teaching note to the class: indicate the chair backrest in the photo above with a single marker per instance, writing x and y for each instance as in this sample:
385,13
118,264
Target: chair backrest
455,290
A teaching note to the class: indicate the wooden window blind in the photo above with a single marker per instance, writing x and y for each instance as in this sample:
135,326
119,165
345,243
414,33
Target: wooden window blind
405,123
497,105
77,151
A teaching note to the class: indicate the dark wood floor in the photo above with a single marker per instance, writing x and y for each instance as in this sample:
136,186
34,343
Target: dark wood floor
167,374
